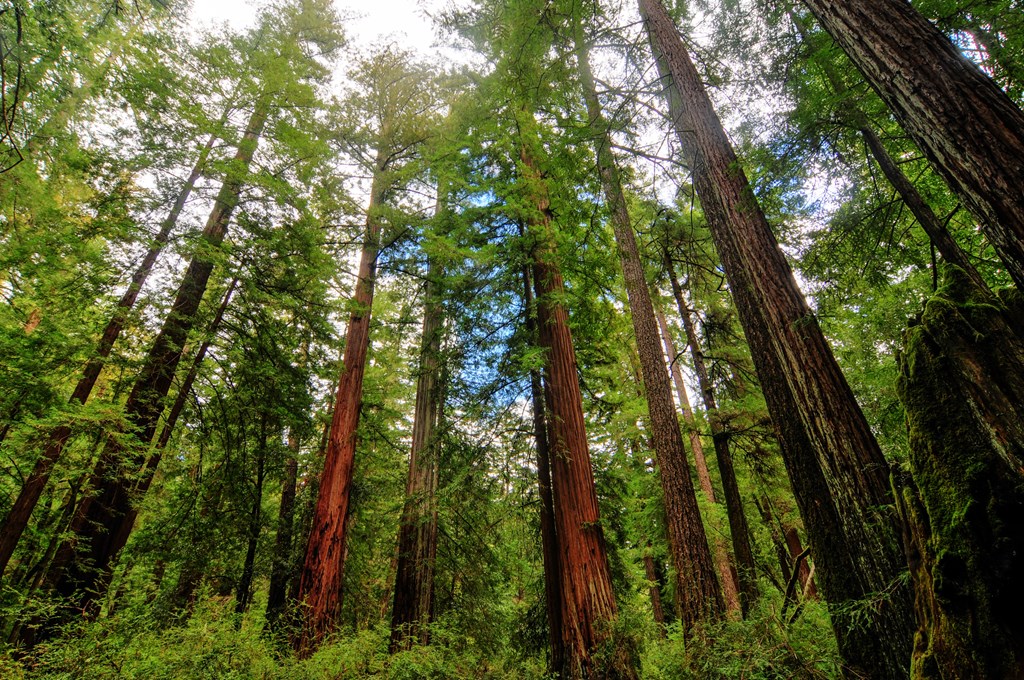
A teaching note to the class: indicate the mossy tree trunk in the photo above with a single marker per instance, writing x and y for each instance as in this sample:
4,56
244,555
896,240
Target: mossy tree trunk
962,384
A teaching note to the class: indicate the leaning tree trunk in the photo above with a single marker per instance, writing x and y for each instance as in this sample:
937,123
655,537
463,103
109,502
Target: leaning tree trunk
588,602
730,586
697,587
936,230
243,593
839,476
417,534
548,537
967,127
19,514
102,520
962,385
323,567
738,527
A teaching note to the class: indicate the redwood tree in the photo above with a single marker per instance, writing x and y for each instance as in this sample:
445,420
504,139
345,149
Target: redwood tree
417,533
964,123
697,588
20,512
838,473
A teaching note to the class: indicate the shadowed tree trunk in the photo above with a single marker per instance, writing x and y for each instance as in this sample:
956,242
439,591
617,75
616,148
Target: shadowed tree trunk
962,384
838,473
282,569
651,573
738,527
417,534
549,539
243,593
19,514
588,602
967,127
697,588
730,588
322,572
101,522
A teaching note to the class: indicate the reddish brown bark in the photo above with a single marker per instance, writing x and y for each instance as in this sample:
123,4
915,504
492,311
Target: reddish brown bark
20,512
730,587
549,539
417,534
102,521
588,602
796,548
839,476
972,133
697,588
738,527
322,575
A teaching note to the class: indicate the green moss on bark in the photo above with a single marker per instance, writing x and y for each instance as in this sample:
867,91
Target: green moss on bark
962,385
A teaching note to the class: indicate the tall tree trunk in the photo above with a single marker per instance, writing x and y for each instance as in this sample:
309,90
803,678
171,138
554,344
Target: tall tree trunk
102,519
323,568
937,232
588,602
417,535
730,587
697,588
244,592
654,588
19,514
962,384
838,473
549,539
738,527
282,570
967,127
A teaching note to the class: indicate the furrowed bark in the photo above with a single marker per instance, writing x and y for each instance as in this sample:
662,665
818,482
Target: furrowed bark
417,535
102,520
972,133
730,587
937,232
738,527
838,473
323,567
19,514
588,603
549,539
697,588
961,382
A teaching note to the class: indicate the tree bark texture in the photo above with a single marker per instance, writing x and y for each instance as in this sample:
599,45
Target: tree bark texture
417,534
697,587
730,587
936,231
320,583
962,385
20,512
972,133
549,539
588,602
838,473
738,527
